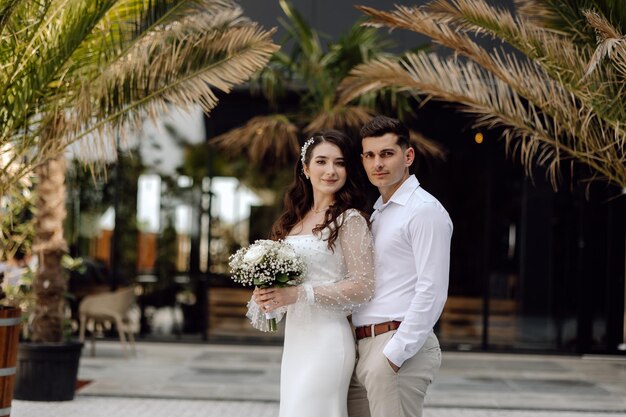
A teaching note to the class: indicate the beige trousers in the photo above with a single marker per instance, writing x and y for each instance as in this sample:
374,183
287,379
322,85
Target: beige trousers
377,391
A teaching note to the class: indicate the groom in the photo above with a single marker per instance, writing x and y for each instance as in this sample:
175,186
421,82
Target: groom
398,352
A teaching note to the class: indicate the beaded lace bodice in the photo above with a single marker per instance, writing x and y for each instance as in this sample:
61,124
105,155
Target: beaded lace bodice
336,281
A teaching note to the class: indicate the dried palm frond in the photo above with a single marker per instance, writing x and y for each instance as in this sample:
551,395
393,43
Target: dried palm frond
427,147
524,79
611,44
548,111
373,76
447,24
539,13
527,129
348,119
205,69
271,141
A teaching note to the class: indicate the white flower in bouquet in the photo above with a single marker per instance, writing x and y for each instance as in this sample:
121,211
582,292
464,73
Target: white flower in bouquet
267,263
254,254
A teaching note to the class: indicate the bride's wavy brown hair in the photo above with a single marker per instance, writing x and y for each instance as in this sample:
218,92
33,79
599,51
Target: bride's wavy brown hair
299,197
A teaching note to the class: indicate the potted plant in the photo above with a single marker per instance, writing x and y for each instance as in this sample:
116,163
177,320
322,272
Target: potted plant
23,224
48,356
15,235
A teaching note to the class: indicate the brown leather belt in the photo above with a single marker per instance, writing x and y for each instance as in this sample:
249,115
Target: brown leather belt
380,328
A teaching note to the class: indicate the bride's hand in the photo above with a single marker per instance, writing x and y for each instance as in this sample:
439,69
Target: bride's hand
272,298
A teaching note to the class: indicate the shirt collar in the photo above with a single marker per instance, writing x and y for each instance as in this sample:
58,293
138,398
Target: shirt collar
402,194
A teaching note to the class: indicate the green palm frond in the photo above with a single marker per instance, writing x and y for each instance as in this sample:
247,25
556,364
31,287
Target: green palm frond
307,40
358,45
273,81
6,10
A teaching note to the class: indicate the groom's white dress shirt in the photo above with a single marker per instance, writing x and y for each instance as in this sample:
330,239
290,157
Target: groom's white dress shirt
412,233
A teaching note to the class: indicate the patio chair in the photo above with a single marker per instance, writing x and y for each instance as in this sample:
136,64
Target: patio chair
108,307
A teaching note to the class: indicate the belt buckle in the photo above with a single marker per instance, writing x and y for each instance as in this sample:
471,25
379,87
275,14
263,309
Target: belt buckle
372,331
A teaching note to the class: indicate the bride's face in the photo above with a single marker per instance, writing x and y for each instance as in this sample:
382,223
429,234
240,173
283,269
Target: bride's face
326,169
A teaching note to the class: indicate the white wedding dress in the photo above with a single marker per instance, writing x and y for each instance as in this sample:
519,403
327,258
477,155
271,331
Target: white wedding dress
319,350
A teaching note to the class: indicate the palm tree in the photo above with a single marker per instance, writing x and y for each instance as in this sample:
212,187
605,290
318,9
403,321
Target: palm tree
313,71
73,69
555,97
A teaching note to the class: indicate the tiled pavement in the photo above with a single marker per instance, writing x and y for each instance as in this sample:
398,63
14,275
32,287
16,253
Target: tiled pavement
137,407
228,381
200,372
531,382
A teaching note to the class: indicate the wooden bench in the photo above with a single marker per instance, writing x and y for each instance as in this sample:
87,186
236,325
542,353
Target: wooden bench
227,311
462,321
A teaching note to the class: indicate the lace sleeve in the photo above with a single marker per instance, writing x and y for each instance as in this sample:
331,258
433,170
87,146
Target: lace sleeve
357,287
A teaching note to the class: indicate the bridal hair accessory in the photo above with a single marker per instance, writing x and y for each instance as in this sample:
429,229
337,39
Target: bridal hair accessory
305,147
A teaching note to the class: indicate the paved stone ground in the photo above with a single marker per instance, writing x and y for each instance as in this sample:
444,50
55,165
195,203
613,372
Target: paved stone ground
174,371
131,407
229,381
511,381
478,380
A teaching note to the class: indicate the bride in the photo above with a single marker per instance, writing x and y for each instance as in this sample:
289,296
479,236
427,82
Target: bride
324,221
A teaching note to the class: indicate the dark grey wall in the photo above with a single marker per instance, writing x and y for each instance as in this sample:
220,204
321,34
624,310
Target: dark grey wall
329,17
335,17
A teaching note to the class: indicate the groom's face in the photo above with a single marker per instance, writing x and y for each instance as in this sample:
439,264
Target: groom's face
386,162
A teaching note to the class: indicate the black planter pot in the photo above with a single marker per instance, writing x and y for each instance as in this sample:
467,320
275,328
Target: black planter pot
47,371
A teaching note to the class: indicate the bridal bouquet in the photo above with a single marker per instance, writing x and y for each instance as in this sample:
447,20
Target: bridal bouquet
267,263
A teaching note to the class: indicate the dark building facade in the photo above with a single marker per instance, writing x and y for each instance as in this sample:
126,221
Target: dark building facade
533,269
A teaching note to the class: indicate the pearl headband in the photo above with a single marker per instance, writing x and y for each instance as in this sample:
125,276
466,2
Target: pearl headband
305,147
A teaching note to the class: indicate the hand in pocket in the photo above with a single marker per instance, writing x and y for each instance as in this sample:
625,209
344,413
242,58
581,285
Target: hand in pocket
395,368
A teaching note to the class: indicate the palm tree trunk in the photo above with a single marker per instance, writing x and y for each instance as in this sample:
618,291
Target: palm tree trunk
50,284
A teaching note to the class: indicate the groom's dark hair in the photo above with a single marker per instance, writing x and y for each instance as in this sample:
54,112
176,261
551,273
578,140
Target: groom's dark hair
380,125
